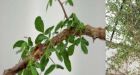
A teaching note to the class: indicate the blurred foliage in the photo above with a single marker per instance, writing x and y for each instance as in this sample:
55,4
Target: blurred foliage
123,17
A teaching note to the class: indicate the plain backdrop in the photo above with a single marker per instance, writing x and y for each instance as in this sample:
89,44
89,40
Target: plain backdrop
17,20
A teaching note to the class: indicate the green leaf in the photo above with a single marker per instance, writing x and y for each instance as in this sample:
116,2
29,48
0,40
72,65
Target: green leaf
20,72
60,46
59,56
27,71
25,50
19,43
77,41
40,38
84,48
71,38
59,66
39,25
34,71
43,62
30,43
24,54
37,65
59,25
71,50
50,2
67,60
70,2
49,30
84,41
50,69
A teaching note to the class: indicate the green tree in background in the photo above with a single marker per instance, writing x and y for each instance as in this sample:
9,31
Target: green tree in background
123,37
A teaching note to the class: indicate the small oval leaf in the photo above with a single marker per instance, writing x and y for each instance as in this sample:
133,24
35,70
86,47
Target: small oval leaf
50,69
84,48
71,50
39,25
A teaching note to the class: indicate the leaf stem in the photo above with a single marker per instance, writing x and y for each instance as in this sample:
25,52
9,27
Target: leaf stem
51,60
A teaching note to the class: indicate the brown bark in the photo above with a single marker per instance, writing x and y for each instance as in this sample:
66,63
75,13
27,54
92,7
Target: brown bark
89,31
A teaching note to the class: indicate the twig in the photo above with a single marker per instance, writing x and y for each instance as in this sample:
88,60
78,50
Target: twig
64,11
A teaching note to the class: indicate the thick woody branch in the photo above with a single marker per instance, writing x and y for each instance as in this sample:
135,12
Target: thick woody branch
88,31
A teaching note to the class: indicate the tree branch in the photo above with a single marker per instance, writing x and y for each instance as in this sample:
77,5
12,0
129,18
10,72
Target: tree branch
88,31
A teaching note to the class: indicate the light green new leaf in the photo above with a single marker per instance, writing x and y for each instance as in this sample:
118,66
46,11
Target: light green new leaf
49,70
33,70
39,25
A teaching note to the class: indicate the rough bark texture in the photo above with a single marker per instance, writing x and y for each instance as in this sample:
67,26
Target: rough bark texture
89,31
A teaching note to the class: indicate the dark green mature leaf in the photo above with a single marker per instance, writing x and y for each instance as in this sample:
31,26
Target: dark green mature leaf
59,25
84,48
30,43
71,50
83,40
40,38
70,2
39,25
67,60
50,69
60,46
33,70
71,38
49,30
59,66
43,62
77,41
59,56
19,43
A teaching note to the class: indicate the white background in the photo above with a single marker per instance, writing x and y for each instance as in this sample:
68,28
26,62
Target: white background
17,20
